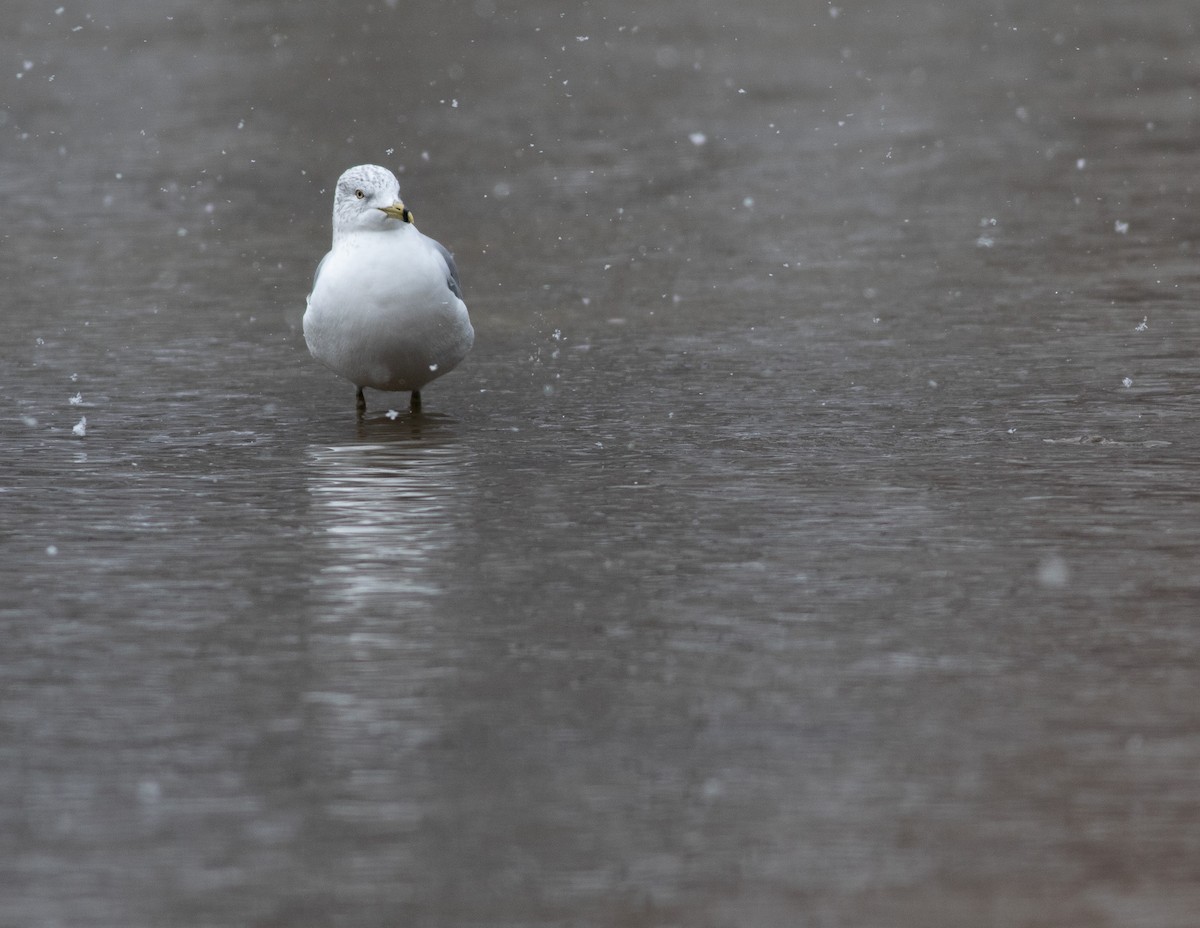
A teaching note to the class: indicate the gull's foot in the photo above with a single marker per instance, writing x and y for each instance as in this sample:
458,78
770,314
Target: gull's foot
415,403
360,402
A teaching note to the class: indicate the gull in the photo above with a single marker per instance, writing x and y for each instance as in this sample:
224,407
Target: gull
386,308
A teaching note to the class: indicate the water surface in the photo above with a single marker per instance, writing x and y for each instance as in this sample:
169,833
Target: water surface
810,538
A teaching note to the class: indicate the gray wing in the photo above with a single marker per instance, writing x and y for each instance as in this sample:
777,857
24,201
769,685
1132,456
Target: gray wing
452,281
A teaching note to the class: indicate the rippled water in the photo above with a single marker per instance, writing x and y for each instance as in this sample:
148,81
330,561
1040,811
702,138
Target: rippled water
810,538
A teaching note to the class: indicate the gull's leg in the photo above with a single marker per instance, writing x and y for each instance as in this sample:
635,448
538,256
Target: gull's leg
415,404
360,402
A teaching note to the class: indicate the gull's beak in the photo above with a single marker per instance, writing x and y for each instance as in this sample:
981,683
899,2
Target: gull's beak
396,211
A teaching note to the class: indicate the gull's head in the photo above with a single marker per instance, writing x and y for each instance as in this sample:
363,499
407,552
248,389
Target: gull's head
367,198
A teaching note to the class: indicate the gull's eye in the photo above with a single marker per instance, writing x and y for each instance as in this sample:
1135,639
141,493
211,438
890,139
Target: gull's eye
360,194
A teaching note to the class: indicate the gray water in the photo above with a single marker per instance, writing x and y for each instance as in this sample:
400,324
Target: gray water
810,539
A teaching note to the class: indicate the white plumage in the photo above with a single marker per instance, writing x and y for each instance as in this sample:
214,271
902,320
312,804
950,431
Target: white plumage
386,307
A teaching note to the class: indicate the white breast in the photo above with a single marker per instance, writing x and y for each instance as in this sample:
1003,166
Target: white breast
382,314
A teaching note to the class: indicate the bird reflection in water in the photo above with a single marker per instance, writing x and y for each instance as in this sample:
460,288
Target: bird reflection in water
387,510
386,505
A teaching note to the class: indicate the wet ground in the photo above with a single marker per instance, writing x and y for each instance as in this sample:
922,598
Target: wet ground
810,539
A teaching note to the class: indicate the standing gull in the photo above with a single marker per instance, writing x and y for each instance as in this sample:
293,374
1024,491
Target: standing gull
386,307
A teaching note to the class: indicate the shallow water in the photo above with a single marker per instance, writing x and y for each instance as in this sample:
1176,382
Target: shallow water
809,539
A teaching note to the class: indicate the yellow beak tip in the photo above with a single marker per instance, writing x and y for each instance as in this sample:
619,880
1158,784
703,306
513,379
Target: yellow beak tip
396,211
